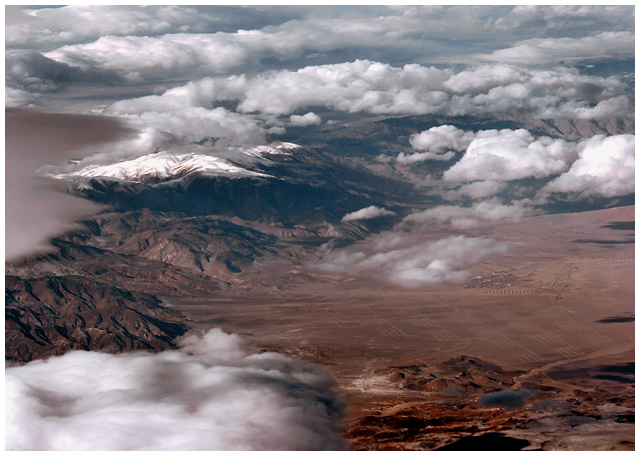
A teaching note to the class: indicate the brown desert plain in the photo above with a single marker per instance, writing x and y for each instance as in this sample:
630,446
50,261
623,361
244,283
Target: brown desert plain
535,352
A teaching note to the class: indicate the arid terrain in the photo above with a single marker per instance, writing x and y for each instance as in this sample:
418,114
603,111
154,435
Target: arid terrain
552,322
324,227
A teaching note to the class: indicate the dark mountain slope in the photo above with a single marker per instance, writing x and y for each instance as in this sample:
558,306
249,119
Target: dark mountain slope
51,315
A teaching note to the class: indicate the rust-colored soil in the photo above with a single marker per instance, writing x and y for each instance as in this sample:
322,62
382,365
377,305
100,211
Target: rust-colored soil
555,316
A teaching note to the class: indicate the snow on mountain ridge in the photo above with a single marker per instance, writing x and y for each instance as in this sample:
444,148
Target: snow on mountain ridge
166,165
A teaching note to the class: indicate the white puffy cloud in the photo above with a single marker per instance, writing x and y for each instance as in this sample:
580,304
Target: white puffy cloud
552,51
170,119
399,259
504,155
310,118
367,213
188,114
443,137
482,79
378,88
480,214
436,140
605,167
356,86
208,395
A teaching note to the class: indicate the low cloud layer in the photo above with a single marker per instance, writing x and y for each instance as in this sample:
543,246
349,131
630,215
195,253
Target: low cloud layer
480,214
367,213
358,86
406,25
209,395
379,88
398,259
553,51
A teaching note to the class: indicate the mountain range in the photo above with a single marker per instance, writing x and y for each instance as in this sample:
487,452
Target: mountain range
195,224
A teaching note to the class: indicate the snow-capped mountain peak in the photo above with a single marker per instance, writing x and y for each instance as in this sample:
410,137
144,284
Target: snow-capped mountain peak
165,165
160,166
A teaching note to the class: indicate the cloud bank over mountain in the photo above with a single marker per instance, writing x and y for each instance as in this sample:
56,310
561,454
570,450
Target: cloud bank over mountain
208,395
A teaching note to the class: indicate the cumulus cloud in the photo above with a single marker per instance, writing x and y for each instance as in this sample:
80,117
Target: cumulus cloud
443,137
598,166
310,118
365,86
428,264
605,167
478,215
36,208
378,88
208,395
436,140
367,213
172,122
196,124
504,155
358,86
